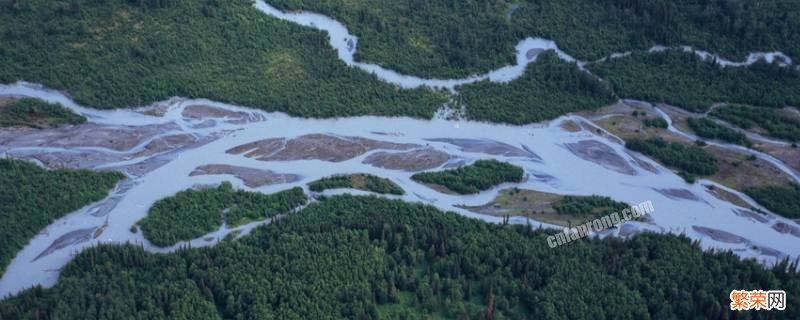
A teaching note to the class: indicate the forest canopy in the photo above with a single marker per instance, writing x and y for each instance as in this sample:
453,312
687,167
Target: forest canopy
193,213
771,121
479,176
782,200
709,129
548,89
369,258
36,113
589,205
456,38
360,181
117,53
690,159
683,79
31,198
120,53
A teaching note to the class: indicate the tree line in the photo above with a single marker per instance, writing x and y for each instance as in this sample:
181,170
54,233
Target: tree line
709,129
747,117
548,89
479,176
783,200
370,258
191,213
689,159
31,198
122,53
361,181
589,205
36,113
682,79
454,38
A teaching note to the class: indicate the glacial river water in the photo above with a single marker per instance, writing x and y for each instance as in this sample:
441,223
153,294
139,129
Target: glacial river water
527,50
554,168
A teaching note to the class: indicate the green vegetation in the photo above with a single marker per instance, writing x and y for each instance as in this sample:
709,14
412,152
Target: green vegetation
361,181
549,88
36,113
194,213
709,129
779,199
684,80
747,117
455,38
591,205
31,198
656,123
554,209
369,258
118,53
690,159
479,176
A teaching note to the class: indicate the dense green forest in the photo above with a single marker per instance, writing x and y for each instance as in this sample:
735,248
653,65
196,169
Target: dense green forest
549,88
656,123
455,38
779,199
709,129
36,113
31,198
747,117
690,159
479,176
118,53
591,205
369,258
361,181
191,213
684,80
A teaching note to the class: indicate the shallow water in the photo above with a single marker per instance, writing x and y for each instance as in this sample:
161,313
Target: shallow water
558,171
730,146
346,44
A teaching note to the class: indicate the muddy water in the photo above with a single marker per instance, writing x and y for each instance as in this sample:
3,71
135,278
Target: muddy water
555,168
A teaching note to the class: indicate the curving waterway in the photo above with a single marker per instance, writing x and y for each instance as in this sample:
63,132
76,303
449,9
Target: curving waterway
170,140
161,148
527,50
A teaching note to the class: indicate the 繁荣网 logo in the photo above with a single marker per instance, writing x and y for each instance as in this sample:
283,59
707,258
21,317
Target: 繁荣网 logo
758,300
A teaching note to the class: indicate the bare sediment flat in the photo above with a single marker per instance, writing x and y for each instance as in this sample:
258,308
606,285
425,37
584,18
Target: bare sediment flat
411,161
68,239
720,235
571,126
166,143
235,117
786,228
767,251
488,147
160,152
602,154
726,195
314,147
752,215
680,193
643,164
251,177
118,138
